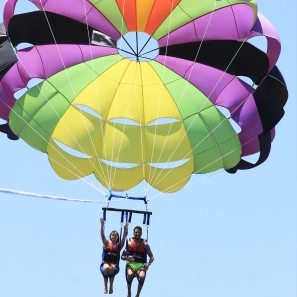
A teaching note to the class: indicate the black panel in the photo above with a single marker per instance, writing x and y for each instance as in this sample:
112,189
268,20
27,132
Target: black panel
7,57
265,146
270,97
248,60
33,27
4,128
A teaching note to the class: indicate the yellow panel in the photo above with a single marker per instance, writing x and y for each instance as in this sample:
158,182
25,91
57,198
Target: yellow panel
123,143
128,100
149,75
128,103
169,180
177,143
117,71
119,179
67,166
132,74
158,102
144,8
98,95
80,131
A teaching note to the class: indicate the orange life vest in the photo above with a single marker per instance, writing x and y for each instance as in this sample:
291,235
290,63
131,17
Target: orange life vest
111,253
138,253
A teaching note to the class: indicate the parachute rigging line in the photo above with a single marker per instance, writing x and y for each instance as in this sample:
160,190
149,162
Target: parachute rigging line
29,194
72,88
86,179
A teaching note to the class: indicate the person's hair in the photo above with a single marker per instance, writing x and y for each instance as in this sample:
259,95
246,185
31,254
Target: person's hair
137,227
114,231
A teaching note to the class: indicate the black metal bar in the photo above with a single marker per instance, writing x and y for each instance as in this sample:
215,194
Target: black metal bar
127,210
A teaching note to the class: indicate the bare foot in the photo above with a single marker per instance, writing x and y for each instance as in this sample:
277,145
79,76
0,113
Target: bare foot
110,290
105,290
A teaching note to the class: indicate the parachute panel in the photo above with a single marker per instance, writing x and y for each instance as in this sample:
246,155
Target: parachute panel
67,166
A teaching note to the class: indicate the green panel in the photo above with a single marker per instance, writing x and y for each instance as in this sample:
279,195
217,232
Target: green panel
198,134
111,11
226,155
29,104
35,136
187,97
231,151
189,10
217,124
165,74
101,64
71,81
44,122
175,20
207,161
18,119
51,113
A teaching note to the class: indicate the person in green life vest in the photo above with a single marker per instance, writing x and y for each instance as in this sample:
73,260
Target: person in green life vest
136,256
111,253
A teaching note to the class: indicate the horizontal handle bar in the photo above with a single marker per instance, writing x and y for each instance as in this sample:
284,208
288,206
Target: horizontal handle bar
126,210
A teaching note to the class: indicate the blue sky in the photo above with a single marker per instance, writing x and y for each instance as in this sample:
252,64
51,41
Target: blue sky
224,236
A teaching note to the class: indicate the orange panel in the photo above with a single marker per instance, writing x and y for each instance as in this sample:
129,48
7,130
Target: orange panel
160,11
144,8
128,10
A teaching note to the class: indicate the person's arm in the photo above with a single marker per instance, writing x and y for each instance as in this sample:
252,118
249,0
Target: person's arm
125,257
122,243
151,256
104,240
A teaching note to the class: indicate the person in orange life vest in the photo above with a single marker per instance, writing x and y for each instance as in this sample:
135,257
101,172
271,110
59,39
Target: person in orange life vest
138,249
109,268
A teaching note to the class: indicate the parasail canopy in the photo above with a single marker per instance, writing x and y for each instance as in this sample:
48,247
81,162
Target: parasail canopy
142,90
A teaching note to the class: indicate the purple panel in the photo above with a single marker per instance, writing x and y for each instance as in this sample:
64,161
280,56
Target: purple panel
12,81
47,61
225,90
92,52
6,103
26,68
208,80
77,10
244,17
253,146
63,59
265,28
220,25
250,147
8,11
238,99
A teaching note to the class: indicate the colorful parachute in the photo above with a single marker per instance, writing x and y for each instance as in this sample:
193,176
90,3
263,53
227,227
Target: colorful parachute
138,86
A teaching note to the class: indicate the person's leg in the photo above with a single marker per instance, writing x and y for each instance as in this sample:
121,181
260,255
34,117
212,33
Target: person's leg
141,278
112,270
105,271
130,275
